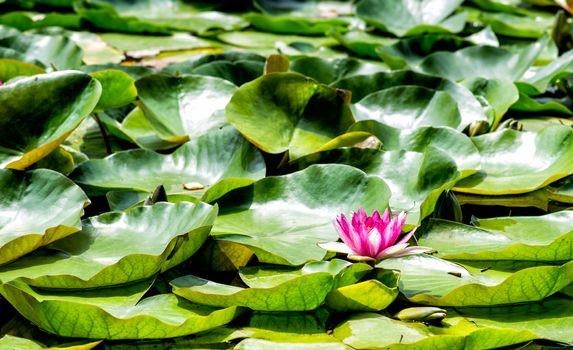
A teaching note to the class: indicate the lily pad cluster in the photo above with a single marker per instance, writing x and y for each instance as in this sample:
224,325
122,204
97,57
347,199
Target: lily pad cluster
171,171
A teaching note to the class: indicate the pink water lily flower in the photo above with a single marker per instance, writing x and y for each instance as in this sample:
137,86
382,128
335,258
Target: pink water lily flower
373,237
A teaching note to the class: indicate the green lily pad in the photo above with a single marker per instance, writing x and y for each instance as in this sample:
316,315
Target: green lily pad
137,128
527,105
407,17
236,67
359,42
203,23
27,195
537,81
117,248
283,218
113,313
373,331
49,118
278,289
483,62
370,295
118,89
327,71
549,319
528,25
259,40
51,50
495,95
139,46
12,342
429,280
408,52
205,161
518,162
33,20
11,68
365,85
544,238
456,145
293,25
409,107
289,112
416,180
179,106
157,17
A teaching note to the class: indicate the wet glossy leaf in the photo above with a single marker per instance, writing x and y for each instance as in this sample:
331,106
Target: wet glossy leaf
429,280
276,289
406,17
518,162
117,248
293,25
118,89
28,194
184,106
114,313
289,112
540,238
49,117
362,86
483,61
283,218
204,160
373,331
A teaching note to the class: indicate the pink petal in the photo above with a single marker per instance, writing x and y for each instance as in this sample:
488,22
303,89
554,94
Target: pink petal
344,230
386,217
336,247
386,253
397,224
374,240
361,231
412,251
407,237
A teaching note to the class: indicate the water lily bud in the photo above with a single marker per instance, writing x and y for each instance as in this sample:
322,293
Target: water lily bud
423,313
477,128
276,64
511,124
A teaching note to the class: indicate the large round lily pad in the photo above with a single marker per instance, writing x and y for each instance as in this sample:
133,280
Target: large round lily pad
113,313
289,112
38,113
117,248
203,161
283,218
27,195
518,162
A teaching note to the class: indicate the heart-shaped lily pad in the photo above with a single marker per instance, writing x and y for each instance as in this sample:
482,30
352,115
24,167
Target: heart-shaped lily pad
416,179
289,112
456,145
410,17
483,62
188,105
113,313
275,289
374,331
282,218
364,85
35,118
544,238
518,162
26,195
429,280
202,162
117,248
